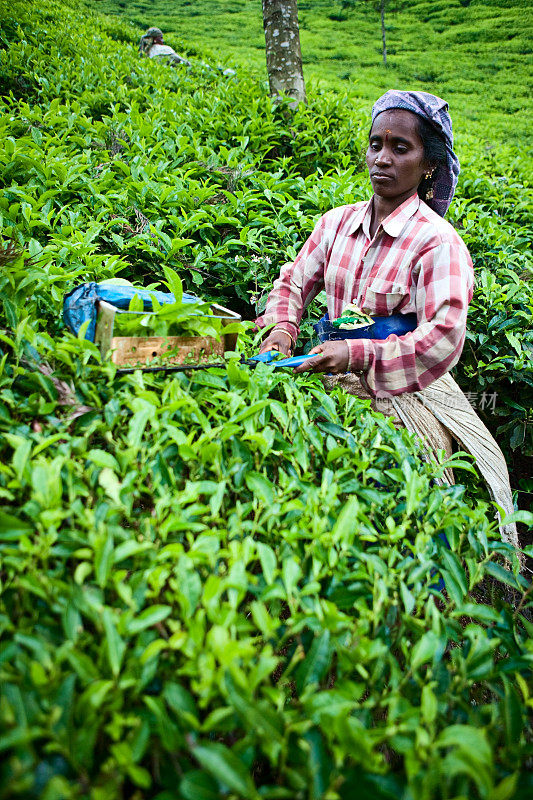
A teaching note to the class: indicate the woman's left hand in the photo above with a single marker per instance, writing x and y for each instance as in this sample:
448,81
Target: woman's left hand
332,357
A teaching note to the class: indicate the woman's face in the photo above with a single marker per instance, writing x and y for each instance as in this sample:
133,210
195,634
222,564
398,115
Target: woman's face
395,155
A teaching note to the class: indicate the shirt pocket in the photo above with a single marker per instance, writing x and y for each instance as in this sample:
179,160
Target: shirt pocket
382,298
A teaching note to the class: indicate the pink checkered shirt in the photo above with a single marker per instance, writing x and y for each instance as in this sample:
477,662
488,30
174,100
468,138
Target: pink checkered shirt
416,262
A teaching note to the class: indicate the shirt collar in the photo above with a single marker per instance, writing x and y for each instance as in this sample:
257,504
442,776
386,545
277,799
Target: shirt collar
393,224
362,214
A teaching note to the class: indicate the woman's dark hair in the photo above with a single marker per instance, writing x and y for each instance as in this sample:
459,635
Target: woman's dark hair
434,154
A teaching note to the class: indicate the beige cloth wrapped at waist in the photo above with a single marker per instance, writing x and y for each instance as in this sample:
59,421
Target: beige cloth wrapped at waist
435,415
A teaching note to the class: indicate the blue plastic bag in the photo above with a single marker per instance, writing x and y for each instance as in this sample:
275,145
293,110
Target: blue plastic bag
381,328
80,304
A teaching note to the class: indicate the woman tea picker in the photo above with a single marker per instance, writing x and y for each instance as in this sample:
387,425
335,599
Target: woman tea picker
151,44
395,256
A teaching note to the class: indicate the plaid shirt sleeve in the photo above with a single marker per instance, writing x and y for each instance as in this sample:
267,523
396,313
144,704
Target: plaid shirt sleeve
443,288
299,283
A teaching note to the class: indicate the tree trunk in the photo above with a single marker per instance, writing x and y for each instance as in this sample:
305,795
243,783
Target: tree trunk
383,34
283,54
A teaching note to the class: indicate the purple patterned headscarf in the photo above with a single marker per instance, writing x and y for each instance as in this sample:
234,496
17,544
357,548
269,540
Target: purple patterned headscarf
435,111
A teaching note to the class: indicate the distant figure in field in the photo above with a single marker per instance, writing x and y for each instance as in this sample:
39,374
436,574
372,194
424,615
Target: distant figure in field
151,45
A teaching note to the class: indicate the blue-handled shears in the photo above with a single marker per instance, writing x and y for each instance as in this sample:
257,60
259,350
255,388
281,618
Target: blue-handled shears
270,358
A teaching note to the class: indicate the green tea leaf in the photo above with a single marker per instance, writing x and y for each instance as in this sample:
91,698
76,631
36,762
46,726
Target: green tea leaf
115,645
501,574
197,785
260,486
102,459
424,650
11,528
268,561
148,617
226,768
111,484
316,662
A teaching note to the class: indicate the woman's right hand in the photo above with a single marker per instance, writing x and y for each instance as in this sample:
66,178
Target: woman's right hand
277,340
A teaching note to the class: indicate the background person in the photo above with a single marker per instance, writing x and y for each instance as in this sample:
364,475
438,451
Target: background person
151,44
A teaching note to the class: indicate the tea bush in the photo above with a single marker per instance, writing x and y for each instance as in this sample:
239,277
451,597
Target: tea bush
226,583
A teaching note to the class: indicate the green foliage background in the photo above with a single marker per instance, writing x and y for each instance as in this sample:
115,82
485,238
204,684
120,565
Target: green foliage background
224,585
475,53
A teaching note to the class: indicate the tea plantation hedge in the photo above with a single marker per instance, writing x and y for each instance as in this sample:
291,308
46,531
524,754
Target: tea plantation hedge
227,584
